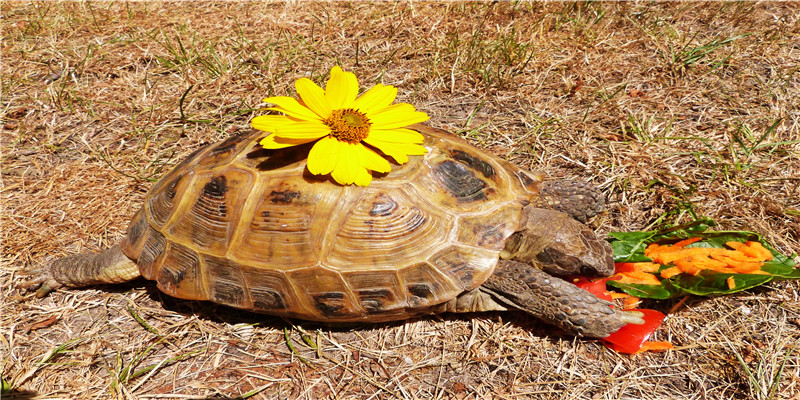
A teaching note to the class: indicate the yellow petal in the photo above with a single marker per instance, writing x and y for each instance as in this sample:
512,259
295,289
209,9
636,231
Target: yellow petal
324,156
275,142
292,107
372,160
341,89
347,170
313,97
396,116
398,151
375,99
363,177
303,130
269,123
399,135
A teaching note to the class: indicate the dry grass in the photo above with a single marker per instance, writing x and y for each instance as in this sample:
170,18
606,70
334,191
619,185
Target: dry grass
673,109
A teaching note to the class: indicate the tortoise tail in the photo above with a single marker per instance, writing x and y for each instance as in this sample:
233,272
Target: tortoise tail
109,266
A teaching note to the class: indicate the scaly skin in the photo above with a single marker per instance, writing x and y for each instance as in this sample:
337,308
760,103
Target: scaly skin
556,301
109,266
578,199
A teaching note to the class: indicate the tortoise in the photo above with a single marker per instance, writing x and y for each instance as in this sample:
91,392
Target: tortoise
455,230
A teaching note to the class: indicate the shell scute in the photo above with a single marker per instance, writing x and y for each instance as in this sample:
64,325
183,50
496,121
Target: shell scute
385,229
136,235
376,291
474,162
224,152
489,230
181,273
210,210
270,290
153,250
458,178
468,267
226,282
425,286
284,223
325,293
161,202
460,182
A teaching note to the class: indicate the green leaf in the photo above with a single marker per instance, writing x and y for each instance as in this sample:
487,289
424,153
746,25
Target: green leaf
660,292
716,284
629,247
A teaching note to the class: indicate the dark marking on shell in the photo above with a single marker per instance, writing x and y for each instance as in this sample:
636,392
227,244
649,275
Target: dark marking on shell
229,144
170,191
153,248
162,202
283,196
460,182
228,293
421,290
170,278
267,300
489,235
473,162
463,271
181,263
225,278
137,229
216,187
383,206
373,300
212,200
329,304
415,220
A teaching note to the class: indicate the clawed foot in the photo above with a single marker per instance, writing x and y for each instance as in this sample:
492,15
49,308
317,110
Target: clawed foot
41,281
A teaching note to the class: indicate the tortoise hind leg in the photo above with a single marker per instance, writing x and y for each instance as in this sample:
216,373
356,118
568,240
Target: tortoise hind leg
555,301
109,266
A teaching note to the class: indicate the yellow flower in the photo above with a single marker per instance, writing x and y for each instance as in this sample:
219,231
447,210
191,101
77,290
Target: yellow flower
341,124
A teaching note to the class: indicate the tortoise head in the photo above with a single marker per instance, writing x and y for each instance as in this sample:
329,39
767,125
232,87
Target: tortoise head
558,244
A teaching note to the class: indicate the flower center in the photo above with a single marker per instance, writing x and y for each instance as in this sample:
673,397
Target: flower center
348,125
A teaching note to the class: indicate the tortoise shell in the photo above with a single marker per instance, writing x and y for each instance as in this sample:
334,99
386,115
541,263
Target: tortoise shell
251,228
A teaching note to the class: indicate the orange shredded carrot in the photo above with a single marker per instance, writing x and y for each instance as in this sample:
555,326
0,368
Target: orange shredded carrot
648,267
739,258
618,295
731,282
630,302
735,245
742,267
688,266
685,242
655,346
639,277
670,272
761,250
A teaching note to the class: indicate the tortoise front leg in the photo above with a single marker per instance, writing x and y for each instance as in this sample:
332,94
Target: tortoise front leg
556,301
109,266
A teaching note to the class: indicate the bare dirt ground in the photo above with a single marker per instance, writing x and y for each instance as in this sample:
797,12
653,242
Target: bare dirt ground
673,109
